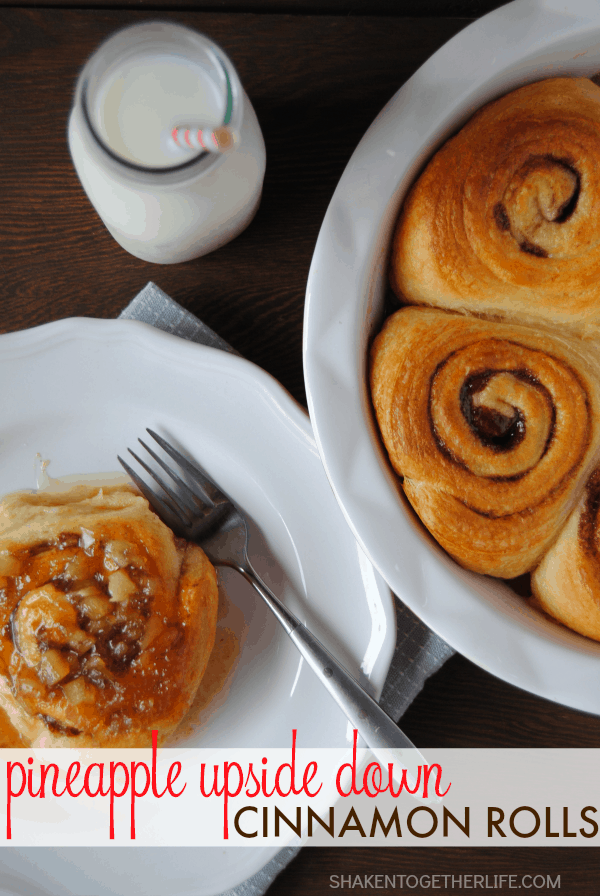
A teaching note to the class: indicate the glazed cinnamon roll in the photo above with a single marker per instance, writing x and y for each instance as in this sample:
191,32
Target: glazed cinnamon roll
567,582
493,427
106,620
504,219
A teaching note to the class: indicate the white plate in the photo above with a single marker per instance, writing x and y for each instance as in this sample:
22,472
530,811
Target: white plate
81,391
519,43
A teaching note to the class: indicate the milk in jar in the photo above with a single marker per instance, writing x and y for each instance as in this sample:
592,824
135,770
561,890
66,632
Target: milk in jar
160,203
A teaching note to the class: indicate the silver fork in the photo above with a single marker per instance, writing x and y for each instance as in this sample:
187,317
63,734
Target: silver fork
202,513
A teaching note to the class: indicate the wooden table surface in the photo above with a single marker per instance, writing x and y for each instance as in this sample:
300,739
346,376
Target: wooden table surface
325,75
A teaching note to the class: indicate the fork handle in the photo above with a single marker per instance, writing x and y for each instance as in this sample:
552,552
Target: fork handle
381,734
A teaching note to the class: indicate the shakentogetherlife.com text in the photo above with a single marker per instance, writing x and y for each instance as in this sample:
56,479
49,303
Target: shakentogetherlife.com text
445,882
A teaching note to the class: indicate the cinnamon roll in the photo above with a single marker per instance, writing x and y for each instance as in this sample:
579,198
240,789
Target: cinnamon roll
493,427
107,620
567,582
504,219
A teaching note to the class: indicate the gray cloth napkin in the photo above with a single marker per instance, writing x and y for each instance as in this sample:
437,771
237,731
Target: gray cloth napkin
419,652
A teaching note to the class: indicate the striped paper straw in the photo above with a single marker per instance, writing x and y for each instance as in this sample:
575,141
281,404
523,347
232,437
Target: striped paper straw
220,139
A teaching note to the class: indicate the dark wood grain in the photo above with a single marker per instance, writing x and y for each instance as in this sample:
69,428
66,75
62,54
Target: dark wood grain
323,75
56,257
406,8
311,872
491,713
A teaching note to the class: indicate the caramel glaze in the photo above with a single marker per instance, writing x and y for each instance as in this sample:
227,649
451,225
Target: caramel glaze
9,736
114,661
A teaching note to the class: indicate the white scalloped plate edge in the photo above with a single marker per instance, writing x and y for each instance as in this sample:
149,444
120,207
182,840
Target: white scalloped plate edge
225,868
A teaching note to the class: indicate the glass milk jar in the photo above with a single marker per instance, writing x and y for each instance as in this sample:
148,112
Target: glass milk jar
163,203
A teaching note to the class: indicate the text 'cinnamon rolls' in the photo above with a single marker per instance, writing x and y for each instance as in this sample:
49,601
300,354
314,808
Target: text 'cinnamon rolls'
493,427
107,620
504,219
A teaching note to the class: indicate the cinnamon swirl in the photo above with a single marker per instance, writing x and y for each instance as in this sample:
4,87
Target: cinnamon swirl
504,219
106,620
493,427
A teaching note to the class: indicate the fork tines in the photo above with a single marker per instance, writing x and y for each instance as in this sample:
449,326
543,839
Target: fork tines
187,503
